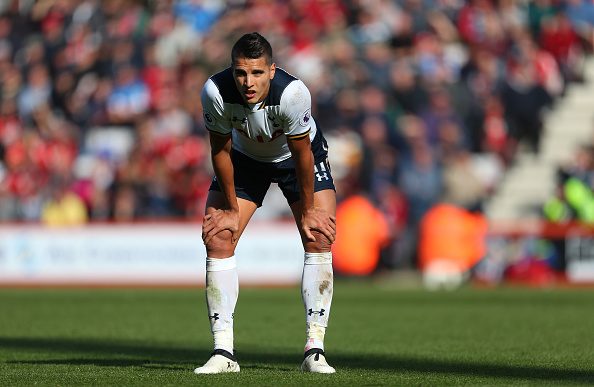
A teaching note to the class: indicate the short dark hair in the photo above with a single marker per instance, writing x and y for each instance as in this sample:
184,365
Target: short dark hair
251,46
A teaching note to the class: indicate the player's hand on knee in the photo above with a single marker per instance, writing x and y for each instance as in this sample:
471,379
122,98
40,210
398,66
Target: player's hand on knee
218,221
319,220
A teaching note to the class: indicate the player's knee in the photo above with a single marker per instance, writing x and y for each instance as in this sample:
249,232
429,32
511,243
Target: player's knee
322,243
220,244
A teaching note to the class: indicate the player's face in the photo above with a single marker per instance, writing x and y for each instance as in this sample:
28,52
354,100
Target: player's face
252,78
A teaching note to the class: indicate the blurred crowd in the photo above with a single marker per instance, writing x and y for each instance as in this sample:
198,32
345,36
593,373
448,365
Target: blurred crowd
422,101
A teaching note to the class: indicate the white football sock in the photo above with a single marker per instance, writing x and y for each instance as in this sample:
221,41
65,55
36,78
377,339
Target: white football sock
222,290
316,288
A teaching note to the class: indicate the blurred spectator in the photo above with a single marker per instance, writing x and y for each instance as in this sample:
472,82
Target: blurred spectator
545,67
462,185
538,11
129,97
524,101
361,233
514,18
405,89
477,100
480,25
559,38
380,160
574,198
420,178
452,241
438,113
36,92
125,203
495,139
64,207
581,15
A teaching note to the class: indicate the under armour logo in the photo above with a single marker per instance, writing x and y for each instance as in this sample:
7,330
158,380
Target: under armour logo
228,365
318,312
322,176
214,316
320,171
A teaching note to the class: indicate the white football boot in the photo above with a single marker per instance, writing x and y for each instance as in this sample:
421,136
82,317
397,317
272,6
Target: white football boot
315,361
220,362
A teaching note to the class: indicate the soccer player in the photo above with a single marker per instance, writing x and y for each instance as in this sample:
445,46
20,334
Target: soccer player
262,131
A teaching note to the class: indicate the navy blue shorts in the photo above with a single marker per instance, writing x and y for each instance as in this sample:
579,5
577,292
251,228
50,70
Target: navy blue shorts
252,178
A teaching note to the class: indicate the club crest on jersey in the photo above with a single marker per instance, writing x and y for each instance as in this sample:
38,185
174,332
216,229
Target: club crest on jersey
304,121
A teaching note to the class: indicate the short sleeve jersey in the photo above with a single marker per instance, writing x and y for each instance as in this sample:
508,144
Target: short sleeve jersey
259,131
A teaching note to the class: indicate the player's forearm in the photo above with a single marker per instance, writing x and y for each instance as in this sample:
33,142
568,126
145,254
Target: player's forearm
223,168
304,168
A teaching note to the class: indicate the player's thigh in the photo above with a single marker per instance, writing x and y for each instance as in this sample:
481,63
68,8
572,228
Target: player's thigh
216,200
325,199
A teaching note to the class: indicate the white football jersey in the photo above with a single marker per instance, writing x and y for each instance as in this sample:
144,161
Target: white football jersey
261,130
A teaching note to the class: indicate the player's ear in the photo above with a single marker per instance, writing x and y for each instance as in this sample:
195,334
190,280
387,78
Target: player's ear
272,70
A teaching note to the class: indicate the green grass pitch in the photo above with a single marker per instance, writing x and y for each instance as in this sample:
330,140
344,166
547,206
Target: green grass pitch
377,336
